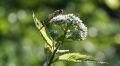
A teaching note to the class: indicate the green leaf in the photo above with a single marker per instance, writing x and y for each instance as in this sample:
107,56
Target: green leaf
76,57
68,41
47,49
42,31
60,38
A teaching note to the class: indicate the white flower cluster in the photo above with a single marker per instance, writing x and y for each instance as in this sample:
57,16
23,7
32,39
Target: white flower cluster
80,30
62,19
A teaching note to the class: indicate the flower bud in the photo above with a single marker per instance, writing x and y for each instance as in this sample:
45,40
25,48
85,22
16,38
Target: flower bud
53,33
78,35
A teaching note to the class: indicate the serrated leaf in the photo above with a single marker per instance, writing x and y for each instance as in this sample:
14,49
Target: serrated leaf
42,31
76,57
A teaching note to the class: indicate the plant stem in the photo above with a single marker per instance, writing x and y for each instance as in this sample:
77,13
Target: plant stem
53,43
59,44
52,57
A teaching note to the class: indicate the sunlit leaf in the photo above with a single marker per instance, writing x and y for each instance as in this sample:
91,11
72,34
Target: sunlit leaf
42,31
76,57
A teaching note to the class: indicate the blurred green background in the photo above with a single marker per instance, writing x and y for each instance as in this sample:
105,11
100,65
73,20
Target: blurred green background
22,45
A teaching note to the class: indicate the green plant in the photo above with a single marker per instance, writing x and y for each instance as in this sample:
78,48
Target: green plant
72,29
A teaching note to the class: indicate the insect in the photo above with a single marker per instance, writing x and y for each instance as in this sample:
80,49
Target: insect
56,13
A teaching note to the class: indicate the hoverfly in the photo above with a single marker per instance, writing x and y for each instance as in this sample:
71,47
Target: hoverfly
56,13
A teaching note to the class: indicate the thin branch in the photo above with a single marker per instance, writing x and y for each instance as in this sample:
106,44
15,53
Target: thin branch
62,28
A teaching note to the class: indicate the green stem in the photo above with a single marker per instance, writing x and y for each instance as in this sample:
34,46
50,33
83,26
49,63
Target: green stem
53,44
52,57
59,44
62,28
